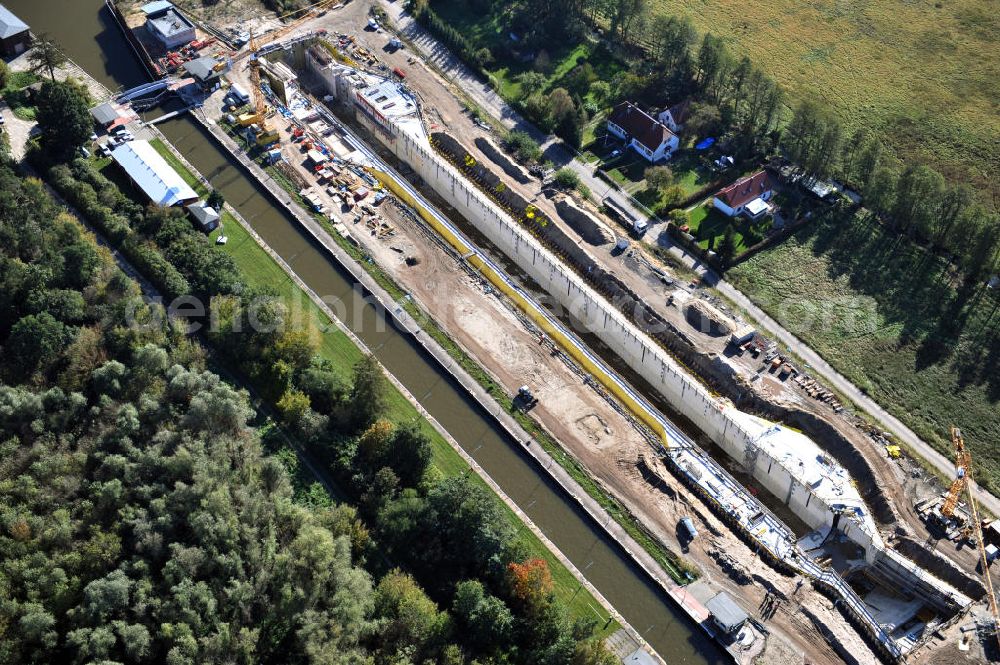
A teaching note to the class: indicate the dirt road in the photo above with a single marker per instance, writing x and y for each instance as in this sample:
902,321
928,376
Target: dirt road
493,104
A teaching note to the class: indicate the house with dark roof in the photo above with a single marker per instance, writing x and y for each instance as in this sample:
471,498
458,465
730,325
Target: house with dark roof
207,70
746,196
646,135
204,215
15,35
111,115
675,116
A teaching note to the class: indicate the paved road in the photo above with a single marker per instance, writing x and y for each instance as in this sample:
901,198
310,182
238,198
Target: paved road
493,104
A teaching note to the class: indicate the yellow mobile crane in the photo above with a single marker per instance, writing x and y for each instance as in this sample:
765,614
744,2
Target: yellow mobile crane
963,466
259,115
964,481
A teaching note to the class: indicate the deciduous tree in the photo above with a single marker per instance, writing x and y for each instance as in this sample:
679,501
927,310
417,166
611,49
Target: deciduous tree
64,119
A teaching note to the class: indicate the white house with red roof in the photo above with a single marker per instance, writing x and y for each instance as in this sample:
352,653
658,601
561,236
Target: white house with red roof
746,196
646,135
675,116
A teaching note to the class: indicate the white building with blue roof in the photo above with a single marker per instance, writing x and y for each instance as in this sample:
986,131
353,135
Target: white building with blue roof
149,171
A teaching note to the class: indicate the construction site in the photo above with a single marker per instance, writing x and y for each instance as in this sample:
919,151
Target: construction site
833,545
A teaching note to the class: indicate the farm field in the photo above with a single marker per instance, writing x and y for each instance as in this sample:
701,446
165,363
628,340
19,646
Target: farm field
889,317
924,73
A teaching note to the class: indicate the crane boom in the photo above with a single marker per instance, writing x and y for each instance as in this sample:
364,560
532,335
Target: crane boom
965,458
963,465
310,10
259,116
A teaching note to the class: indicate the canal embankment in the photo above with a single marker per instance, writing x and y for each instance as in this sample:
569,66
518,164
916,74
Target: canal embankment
406,323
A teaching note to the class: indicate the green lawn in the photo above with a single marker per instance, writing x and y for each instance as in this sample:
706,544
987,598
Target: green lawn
709,225
262,270
690,172
628,169
178,166
15,95
896,322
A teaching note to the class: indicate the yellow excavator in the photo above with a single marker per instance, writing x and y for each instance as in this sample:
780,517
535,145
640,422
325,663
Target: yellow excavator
259,114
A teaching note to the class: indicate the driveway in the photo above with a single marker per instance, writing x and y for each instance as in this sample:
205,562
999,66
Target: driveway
453,69
18,131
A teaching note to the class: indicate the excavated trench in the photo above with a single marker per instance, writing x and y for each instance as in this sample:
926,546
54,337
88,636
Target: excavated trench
709,368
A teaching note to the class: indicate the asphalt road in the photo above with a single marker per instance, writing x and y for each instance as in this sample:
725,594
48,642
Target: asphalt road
487,99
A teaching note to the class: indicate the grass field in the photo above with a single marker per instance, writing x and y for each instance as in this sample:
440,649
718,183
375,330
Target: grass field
262,270
925,73
890,318
484,30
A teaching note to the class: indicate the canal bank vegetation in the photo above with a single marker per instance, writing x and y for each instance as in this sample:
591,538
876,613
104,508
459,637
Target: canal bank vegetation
678,569
471,551
14,90
143,522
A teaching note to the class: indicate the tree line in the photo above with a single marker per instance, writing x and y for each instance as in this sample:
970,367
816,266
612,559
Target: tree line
659,56
143,520
663,61
913,199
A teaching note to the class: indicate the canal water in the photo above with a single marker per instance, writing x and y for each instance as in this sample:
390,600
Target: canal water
85,30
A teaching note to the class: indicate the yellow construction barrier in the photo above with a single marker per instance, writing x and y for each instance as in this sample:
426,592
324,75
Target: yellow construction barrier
529,309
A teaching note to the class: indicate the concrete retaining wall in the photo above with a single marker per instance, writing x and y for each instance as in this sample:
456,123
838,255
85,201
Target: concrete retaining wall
711,414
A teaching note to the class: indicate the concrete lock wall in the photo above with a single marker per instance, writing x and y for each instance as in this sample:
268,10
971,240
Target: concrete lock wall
709,413
713,415
733,430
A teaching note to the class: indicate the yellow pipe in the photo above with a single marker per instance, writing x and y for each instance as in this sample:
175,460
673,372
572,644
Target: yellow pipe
556,334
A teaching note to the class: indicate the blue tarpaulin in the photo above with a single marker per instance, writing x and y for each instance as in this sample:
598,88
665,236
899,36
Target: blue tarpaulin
705,144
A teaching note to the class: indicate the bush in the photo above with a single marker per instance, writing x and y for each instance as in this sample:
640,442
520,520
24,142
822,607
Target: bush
150,262
678,216
566,178
522,146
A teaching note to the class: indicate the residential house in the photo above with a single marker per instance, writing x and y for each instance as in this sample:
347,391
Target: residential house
15,37
675,116
643,133
747,196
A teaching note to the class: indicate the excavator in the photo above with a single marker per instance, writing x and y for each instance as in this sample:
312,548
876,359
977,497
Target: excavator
964,483
258,116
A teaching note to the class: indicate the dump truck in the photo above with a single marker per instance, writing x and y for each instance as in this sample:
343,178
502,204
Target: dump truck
623,216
